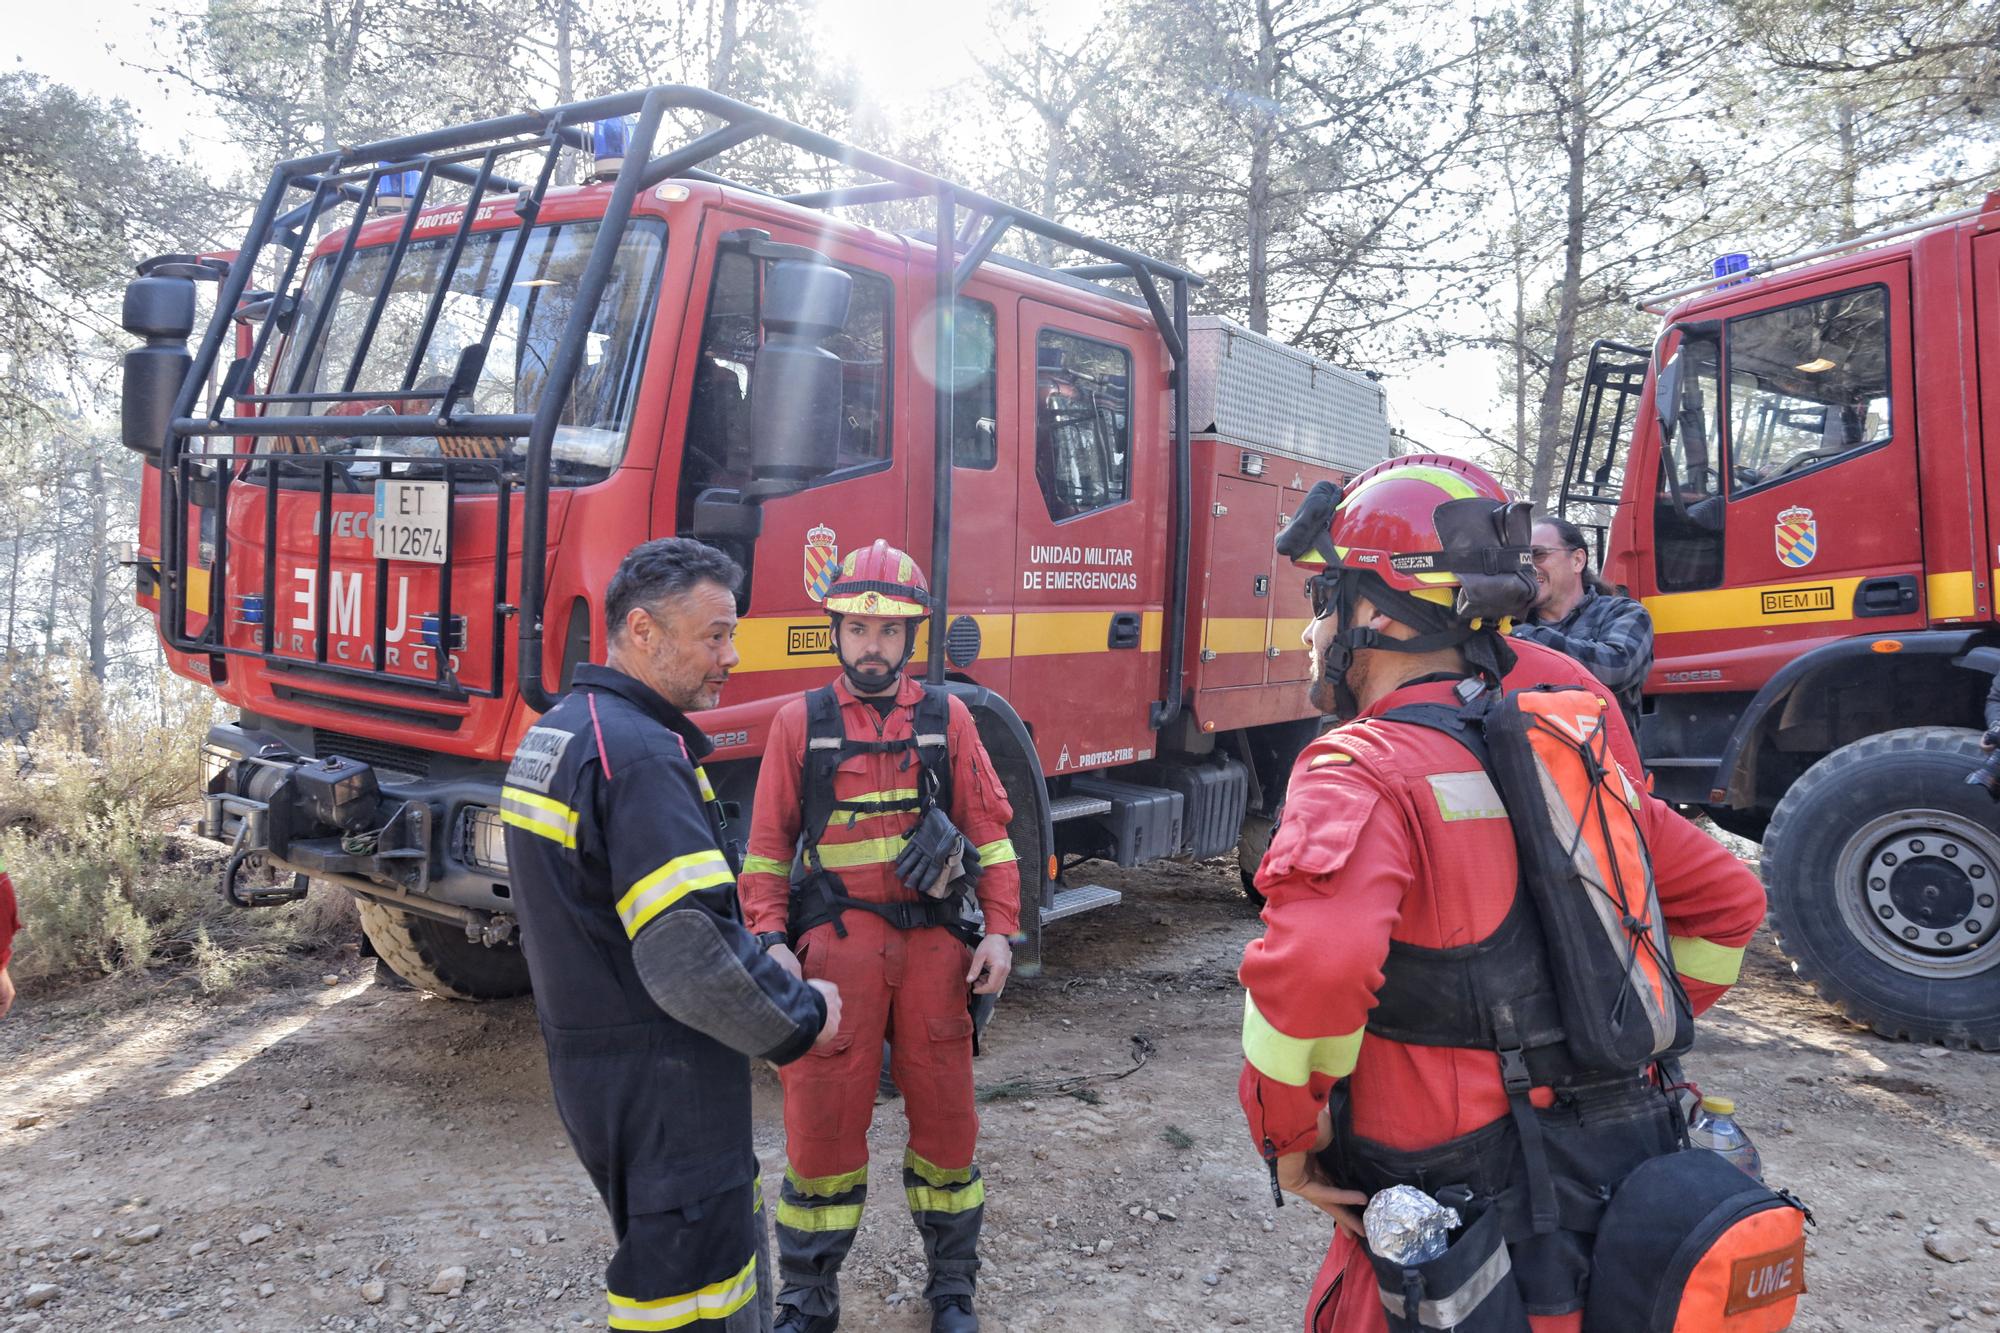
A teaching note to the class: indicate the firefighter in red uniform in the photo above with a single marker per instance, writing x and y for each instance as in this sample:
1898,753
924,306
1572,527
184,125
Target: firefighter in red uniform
875,806
1393,851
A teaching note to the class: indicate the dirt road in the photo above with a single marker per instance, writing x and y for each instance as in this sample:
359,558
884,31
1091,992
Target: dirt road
275,1162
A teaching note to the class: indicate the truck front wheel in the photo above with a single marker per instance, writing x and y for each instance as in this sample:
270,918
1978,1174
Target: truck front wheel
435,955
1883,869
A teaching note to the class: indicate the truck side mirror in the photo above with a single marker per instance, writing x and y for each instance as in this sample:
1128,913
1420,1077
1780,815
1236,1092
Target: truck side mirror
160,310
795,390
1667,397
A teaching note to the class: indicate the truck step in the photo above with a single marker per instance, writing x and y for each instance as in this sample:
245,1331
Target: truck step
1077,807
1084,898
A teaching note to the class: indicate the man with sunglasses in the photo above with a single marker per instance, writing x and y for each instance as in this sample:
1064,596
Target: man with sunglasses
1579,614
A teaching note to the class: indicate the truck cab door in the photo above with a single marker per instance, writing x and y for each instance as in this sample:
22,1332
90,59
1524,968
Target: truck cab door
1784,509
1091,527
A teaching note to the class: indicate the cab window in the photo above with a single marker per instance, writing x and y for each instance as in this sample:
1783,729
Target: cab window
1687,505
717,451
1808,386
1082,422
975,429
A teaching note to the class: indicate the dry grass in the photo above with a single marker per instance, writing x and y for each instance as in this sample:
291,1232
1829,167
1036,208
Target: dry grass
92,801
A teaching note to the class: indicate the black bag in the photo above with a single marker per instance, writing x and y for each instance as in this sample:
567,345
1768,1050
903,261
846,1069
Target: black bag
1690,1244
1470,1287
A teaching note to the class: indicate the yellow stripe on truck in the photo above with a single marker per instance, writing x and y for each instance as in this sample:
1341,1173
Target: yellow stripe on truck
805,641
1949,596
1234,634
1760,606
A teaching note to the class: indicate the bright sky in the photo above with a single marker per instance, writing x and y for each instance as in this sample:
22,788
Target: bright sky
903,49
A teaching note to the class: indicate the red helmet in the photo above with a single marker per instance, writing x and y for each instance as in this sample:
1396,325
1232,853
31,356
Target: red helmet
1386,521
879,580
1431,528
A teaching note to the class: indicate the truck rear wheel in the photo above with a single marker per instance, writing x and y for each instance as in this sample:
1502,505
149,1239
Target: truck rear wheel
1883,869
435,955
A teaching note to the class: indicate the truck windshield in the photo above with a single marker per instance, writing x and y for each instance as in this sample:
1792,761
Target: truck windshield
397,358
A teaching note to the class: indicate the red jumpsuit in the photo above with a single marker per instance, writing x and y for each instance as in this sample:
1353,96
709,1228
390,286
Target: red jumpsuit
10,917
907,985
1380,842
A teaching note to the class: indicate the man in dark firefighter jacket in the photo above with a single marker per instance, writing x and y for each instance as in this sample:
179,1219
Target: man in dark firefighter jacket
652,996
880,788
1395,845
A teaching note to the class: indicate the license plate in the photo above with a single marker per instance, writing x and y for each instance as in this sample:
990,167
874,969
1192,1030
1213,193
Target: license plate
410,521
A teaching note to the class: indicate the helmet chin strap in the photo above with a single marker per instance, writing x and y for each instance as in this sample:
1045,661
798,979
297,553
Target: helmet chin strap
870,682
1439,628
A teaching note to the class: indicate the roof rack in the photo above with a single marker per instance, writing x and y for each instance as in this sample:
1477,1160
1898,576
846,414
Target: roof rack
468,154
1658,303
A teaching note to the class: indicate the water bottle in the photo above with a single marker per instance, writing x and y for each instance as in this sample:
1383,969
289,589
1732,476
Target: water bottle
1714,1127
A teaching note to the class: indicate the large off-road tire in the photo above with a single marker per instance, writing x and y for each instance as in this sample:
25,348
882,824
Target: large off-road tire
435,955
1883,869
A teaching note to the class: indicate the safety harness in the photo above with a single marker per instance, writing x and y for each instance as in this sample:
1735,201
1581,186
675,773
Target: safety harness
818,896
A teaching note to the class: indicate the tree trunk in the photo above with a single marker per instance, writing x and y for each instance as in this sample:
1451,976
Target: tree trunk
13,592
1548,426
1258,213
565,79
1850,169
100,572
722,71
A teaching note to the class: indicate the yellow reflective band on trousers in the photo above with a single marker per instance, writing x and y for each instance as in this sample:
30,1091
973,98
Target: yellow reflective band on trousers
764,865
1703,960
669,884
932,1174
538,815
1294,1060
826,1187
826,1217
998,852
717,1300
929,1199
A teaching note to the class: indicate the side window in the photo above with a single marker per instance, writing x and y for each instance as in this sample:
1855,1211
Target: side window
1083,427
975,427
1808,384
1687,509
717,450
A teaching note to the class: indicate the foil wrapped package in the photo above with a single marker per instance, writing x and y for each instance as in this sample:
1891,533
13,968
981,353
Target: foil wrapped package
1407,1226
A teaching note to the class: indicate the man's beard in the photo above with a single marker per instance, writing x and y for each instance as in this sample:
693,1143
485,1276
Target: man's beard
871,673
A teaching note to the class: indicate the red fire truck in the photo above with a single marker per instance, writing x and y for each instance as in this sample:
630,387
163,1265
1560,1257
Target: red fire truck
1810,509
382,525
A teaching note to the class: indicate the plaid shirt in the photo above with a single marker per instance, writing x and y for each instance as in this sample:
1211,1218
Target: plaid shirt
1610,634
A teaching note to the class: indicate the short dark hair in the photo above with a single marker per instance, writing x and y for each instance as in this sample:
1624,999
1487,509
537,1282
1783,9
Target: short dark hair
655,571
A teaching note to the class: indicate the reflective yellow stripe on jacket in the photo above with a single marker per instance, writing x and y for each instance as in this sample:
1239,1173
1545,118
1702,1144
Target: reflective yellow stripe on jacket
669,884
1704,960
1294,1060
998,852
717,1300
539,815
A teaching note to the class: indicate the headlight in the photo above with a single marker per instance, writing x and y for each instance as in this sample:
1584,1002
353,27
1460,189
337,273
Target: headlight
482,838
215,761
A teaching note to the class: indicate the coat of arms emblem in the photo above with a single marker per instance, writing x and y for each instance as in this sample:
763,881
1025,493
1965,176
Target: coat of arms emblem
1798,537
822,562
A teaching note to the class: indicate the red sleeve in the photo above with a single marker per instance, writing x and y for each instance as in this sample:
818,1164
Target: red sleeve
10,918
980,809
1712,902
1311,980
765,885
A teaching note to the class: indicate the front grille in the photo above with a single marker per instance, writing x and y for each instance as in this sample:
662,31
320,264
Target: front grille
398,759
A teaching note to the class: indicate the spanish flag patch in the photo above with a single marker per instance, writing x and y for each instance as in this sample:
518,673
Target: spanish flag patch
1330,757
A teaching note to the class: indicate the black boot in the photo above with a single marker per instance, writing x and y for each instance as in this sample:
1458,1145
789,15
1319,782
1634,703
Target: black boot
791,1319
953,1314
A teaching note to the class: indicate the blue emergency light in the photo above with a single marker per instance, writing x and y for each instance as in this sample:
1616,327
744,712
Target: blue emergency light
427,631
398,184
249,609
1724,265
608,141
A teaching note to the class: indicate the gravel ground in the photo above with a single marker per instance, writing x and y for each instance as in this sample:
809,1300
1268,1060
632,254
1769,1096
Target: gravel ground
328,1153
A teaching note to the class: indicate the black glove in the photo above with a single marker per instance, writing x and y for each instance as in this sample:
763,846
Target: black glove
1991,740
935,858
